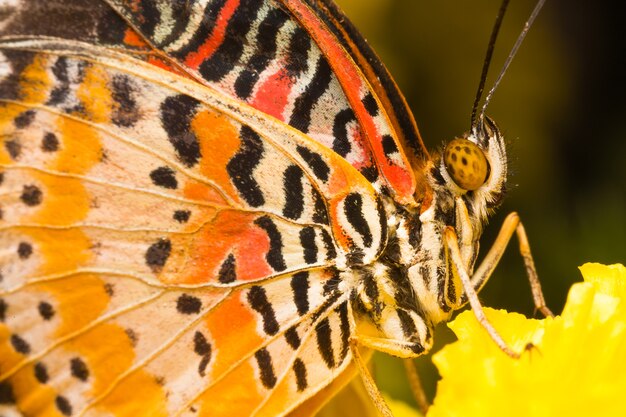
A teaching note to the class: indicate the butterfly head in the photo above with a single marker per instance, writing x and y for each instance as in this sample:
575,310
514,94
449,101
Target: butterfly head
475,166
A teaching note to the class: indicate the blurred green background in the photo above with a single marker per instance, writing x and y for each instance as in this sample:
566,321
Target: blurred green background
562,106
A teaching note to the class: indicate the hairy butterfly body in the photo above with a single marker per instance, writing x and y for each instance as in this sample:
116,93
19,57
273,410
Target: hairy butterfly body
208,206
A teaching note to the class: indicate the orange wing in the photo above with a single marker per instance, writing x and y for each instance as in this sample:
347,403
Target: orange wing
147,219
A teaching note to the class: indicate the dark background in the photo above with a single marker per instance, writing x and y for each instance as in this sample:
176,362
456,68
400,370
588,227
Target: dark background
562,106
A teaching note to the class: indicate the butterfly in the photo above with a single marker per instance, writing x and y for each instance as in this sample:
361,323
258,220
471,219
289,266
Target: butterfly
218,208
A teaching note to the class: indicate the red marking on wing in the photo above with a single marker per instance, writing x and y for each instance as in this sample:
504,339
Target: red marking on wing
352,82
132,38
273,95
230,232
194,59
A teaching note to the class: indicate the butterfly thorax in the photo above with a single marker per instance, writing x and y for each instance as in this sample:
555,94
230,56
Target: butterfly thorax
413,286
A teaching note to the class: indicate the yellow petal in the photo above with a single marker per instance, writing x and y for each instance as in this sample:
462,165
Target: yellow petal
577,366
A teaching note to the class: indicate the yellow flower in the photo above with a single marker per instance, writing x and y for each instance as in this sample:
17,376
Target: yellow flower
577,366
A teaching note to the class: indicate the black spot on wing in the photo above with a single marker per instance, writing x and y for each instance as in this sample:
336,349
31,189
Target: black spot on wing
292,337
41,373
228,270
324,342
7,396
125,111
203,348
31,195
274,256
353,209
188,304
14,148
241,167
63,405
201,345
24,250
294,192
389,145
3,310
341,141
304,103
266,45
300,289
370,173
164,177
20,345
264,361
307,240
204,362
24,119
315,162
176,115
182,216
109,288
257,297
132,336
46,311
157,254
228,54
299,369
79,369
370,104
50,142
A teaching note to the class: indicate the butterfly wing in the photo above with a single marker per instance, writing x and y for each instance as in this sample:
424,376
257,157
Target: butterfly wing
330,17
106,281
290,59
152,216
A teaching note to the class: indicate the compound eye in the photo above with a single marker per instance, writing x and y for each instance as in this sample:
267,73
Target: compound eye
465,163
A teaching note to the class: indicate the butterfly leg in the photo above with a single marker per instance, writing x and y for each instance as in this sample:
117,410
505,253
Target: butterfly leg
457,262
512,224
366,376
368,381
416,385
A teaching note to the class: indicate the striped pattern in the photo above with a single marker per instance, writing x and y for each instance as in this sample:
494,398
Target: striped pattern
201,196
276,227
257,52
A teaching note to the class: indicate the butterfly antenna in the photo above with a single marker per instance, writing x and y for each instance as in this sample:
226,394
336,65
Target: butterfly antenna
518,42
487,61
